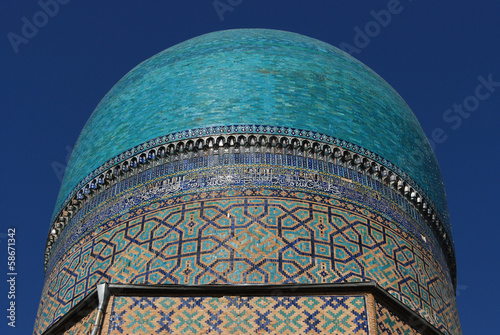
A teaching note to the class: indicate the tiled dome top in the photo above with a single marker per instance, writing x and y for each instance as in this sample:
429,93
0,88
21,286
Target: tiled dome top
263,77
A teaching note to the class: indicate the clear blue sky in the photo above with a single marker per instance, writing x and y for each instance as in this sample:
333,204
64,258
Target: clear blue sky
433,53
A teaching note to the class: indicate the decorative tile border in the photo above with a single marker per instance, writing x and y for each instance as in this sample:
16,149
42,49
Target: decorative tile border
239,315
209,147
208,174
247,131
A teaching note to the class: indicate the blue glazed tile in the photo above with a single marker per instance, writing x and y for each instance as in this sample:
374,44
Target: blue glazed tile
271,78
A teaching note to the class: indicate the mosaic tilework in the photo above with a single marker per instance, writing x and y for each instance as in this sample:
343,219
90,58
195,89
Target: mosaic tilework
254,236
245,131
84,326
239,315
254,76
250,218
390,324
236,171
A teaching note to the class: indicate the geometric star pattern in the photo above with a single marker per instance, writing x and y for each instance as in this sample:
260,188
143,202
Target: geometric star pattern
228,239
253,238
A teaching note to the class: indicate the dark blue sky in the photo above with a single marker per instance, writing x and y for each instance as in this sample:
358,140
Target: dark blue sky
434,54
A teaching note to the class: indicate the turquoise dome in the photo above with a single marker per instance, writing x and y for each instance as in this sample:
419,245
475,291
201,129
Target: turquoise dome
260,77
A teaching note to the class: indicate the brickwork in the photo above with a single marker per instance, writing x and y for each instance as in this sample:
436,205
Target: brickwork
255,236
239,315
390,324
306,170
84,326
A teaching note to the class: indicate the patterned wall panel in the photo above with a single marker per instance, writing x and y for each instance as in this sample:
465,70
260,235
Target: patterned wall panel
239,315
390,324
251,236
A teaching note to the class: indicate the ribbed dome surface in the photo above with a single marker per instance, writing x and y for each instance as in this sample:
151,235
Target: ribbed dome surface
263,77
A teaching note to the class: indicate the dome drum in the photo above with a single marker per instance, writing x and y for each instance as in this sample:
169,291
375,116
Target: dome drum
330,153
251,160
